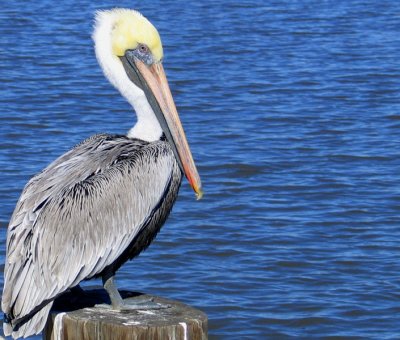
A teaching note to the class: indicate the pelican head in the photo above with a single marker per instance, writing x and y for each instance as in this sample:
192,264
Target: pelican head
129,50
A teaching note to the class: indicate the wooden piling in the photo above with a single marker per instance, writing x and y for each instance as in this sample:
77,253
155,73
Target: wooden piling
86,321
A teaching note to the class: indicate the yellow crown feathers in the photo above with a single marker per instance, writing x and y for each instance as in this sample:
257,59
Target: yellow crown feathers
130,29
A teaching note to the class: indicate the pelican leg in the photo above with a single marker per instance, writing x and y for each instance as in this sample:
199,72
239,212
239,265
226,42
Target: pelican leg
116,300
119,304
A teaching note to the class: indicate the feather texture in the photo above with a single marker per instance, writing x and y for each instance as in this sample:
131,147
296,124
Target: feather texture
88,211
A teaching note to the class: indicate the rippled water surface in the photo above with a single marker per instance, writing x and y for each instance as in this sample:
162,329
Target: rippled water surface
293,116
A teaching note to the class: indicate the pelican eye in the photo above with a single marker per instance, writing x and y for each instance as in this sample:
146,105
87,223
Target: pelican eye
141,52
143,49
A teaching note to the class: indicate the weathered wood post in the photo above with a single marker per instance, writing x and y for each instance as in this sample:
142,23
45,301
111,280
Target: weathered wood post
76,318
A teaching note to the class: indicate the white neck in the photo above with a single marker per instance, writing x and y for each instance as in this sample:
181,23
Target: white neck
147,127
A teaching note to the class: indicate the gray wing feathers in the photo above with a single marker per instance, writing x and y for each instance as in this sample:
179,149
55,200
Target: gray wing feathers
33,326
79,214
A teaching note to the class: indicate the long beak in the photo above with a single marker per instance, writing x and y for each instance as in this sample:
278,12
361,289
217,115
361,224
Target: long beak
155,85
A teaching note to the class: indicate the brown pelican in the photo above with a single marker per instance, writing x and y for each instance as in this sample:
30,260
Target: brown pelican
104,201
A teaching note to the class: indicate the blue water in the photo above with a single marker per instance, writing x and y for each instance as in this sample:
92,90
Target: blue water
292,111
